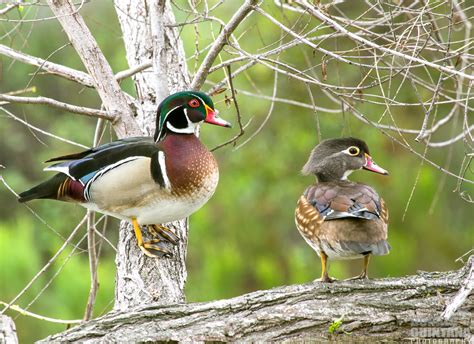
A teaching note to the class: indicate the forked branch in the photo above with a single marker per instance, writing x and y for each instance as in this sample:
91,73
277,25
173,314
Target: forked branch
219,43
113,98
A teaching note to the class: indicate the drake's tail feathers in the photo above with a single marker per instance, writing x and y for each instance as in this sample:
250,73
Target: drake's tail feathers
47,189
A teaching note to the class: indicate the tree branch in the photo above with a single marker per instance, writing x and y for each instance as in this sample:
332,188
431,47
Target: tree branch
323,17
57,104
50,67
219,43
132,71
113,98
462,294
67,72
390,309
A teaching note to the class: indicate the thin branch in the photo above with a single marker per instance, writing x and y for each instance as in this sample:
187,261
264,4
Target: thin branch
32,127
239,117
80,110
50,67
452,140
8,8
267,117
67,72
46,266
219,43
96,64
40,317
336,26
93,262
462,294
132,71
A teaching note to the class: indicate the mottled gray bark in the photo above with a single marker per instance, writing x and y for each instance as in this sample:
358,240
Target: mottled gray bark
7,331
389,310
140,279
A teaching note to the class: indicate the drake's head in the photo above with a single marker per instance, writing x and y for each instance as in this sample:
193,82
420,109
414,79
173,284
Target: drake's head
181,112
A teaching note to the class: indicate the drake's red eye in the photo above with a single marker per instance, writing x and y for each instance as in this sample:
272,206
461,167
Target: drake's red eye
194,103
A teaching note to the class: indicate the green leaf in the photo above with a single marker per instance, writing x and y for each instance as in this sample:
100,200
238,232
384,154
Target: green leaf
335,324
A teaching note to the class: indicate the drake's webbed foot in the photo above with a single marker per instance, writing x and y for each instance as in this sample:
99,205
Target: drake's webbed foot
155,248
159,231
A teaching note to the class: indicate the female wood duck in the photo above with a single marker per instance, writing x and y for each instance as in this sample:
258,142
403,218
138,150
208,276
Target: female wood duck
142,180
338,218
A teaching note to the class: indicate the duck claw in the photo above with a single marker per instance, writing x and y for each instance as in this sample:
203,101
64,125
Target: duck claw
156,248
159,231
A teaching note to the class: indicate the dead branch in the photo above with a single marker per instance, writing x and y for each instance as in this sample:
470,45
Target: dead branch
389,310
81,110
336,26
113,98
220,41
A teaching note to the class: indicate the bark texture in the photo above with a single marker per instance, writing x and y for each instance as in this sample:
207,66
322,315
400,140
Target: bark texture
389,310
7,330
140,279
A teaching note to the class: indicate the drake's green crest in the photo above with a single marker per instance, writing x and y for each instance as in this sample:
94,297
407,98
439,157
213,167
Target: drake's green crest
177,100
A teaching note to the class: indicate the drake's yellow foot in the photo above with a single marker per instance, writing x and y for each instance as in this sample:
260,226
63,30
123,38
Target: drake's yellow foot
150,248
159,231
154,250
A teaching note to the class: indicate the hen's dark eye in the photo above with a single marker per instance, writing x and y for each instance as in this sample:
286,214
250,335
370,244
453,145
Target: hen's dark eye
354,150
194,103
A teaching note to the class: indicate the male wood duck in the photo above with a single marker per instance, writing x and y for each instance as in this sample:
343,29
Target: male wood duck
338,218
140,179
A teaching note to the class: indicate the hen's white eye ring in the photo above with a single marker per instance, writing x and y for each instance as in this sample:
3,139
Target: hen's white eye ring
353,150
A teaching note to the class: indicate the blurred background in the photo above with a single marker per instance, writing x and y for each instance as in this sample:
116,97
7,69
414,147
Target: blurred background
244,239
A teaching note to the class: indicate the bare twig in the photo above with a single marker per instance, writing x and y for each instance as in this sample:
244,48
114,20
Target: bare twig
109,90
67,72
462,294
40,317
80,110
220,41
93,262
267,117
44,132
132,71
239,118
46,266
50,67
320,15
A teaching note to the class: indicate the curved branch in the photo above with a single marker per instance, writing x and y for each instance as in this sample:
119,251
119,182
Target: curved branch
109,90
219,43
390,309
59,105
50,67
323,17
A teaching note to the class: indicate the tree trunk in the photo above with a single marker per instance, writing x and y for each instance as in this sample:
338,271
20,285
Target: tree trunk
7,330
140,279
389,310
147,38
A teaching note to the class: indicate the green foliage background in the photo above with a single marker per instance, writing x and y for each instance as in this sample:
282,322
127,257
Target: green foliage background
244,239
